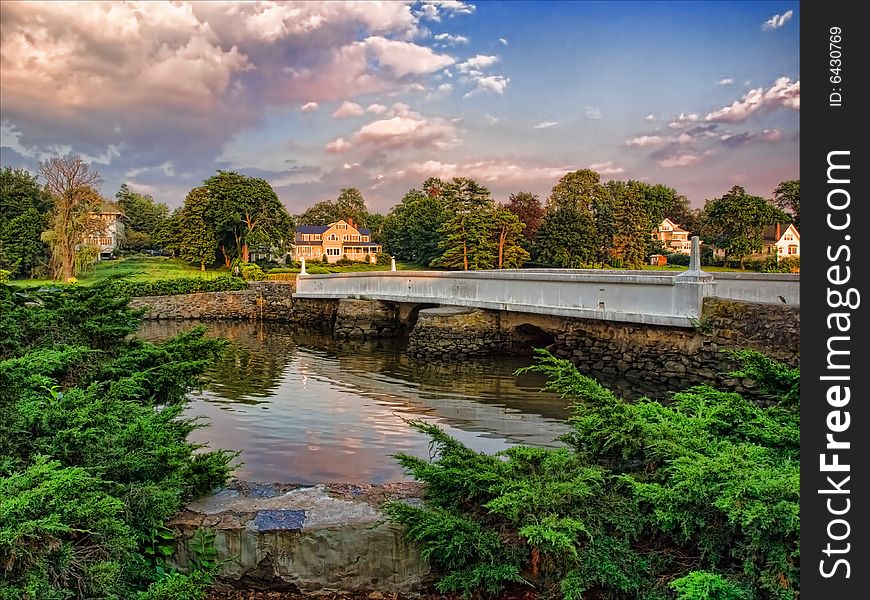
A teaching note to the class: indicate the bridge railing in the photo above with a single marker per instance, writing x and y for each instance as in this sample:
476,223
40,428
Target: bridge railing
638,297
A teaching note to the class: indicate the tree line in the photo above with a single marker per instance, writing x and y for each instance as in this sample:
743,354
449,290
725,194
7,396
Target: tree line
455,224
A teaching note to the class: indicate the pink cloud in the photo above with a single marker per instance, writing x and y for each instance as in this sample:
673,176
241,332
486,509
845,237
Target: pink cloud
348,109
607,168
681,160
783,93
309,107
644,141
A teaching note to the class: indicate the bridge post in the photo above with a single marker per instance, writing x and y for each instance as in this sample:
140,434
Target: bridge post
695,283
302,272
392,263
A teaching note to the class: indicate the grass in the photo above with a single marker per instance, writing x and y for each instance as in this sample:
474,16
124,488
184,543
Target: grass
137,268
709,269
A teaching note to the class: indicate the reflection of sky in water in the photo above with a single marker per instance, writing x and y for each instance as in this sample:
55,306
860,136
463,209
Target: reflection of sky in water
304,408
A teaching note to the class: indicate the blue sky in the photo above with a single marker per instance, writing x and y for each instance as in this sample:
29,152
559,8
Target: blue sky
314,97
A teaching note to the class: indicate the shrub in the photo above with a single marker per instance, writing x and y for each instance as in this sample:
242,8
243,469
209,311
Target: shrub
94,455
344,261
383,258
5,275
699,496
681,260
171,287
251,272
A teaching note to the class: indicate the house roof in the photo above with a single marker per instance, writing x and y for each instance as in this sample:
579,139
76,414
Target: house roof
674,225
311,228
360,244
109,208
769,233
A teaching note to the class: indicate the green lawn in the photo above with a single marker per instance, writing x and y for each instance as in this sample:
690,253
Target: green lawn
709,269
137,268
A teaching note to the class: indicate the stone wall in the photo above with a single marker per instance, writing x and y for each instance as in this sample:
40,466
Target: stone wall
366,319
263,300
317,539
651,360
453,332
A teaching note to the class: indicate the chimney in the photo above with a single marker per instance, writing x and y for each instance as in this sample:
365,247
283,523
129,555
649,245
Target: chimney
778,235
350,221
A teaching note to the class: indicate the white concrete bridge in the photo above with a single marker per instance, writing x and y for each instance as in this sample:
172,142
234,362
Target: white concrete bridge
654,298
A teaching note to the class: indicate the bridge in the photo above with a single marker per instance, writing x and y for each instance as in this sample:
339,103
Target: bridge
649,297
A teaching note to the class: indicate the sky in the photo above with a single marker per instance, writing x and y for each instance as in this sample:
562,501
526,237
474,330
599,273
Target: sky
314,97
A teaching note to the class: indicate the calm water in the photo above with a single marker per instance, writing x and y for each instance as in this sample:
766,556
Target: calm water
304,408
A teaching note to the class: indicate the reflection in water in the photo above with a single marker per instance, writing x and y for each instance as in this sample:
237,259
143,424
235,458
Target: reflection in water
305,408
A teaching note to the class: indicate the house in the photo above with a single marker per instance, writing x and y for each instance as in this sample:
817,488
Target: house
658,260
338,240
673,237
110,232
780,241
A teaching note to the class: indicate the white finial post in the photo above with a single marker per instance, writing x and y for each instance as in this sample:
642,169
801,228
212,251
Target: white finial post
695,256
392,263
302,272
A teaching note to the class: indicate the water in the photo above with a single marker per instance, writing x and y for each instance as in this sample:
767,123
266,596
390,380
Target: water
305,408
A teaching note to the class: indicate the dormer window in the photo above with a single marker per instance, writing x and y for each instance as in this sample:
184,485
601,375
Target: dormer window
332,237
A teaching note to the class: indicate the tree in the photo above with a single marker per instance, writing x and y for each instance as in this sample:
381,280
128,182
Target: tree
411,228
736,221
787,197
577,190
566,238
509,233
73,188
632,222
245,212
376,225
528,208
24,208
167,235
349,205
197,241
467,234
142,217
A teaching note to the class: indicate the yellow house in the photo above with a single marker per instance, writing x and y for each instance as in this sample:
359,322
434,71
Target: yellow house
673,237
335,241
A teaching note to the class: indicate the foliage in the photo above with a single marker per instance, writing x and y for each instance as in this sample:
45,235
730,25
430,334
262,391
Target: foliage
179,285
699,496
736,221
245,213
349,205
529,210
142,217
411,229
86,256
24,206
467,234
787,197
4,275
681,260
94,455
73,188
252,272
566,238
177,586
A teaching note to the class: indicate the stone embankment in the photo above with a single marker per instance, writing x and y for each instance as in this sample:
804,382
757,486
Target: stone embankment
310,539
456,333
365,319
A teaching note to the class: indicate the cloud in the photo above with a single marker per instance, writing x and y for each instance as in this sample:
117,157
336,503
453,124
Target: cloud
432,10
502,41
684,120
669,159
606,168
405,129
545,125
488,171
493,83
309,107
348,109
166,167
476,63
645,141
376,108
725,81
592,112
777,21
742,139
405,57
490,119
451,39
650,117
783,93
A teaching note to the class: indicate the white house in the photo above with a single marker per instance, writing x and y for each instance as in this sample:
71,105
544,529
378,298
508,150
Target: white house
110,233
673,237
781,241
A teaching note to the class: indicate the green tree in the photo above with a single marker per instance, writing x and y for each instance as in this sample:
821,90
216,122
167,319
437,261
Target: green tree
197,242
577,190
467,240
411,228
787,197
566,238
322,213
167,235
142,217
73,189
736,222
509,234
528,208
245,211
349,205
24,208
375,224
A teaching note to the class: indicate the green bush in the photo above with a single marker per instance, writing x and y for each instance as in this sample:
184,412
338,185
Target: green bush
94,455
178,285
701,494
251,272
383,258
678,259
344,261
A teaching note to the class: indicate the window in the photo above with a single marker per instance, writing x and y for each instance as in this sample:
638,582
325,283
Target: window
333,251
792,249
789,237
341,226
317,236
365,238
332,237
346,237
